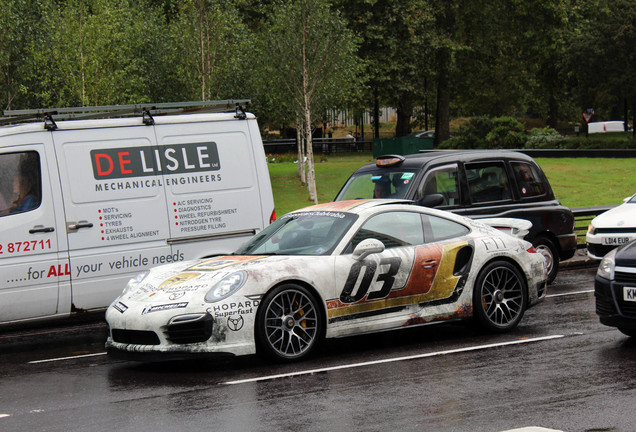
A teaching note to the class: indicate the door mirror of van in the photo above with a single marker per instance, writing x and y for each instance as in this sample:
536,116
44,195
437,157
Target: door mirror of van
432,200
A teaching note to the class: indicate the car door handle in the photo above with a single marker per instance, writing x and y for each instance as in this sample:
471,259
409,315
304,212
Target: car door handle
74,226
41,229
428,264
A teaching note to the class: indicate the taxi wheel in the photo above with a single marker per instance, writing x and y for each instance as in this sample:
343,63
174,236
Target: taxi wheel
499,297
546,247
288,323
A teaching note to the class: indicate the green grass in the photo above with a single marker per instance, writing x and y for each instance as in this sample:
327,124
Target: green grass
590,182
577,182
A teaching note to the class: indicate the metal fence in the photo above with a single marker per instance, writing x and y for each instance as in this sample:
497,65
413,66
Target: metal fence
582,218
320,146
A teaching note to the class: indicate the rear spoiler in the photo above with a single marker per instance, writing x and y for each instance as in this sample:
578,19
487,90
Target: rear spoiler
515,227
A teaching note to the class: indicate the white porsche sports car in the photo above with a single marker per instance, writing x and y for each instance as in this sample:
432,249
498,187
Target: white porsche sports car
330,270
612,229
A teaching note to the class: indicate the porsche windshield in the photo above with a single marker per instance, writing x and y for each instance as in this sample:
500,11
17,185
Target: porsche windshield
304,233
381,184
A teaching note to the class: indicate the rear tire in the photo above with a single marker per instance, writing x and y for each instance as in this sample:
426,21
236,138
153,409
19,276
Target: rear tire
546,247
499,297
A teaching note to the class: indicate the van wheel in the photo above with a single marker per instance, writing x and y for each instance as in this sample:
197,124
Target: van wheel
288,323
546,247
499,297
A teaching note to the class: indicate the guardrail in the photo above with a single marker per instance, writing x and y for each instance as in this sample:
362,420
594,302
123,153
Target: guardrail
582,218
320,146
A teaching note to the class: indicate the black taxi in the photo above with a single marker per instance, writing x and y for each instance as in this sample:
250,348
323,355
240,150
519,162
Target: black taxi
478,184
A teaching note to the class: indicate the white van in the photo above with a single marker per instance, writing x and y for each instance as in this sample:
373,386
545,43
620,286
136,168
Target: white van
87,204
606,126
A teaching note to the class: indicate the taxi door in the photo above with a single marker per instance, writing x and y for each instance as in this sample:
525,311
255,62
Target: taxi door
33,262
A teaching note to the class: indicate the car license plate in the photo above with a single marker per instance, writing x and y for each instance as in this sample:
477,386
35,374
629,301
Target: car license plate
615,241
629,294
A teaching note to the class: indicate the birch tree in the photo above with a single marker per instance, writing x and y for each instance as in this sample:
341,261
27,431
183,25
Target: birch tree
310,56
212,45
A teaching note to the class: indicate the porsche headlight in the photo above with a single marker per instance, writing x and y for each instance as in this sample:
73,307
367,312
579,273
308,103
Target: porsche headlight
226,287
132,283
606,267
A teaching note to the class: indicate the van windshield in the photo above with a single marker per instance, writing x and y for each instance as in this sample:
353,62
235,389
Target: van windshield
377,184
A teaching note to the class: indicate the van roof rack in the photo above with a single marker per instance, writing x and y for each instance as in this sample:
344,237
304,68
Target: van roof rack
110,111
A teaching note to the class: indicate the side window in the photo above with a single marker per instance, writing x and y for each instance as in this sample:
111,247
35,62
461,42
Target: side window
488,182
438,229
394,229
20,182
528,180
442,180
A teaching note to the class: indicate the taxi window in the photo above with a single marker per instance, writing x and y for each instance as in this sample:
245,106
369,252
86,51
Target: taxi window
487,182
443,181
394,229
20,182
529,182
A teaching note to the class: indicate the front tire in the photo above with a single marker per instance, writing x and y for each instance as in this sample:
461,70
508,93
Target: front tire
288,323
499,297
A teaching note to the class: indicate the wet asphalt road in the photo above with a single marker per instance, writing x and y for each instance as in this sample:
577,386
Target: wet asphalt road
559,369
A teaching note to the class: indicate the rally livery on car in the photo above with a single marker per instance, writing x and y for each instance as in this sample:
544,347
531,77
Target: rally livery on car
331,270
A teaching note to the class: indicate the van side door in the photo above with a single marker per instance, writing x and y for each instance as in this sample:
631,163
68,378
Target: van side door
31,271
114,202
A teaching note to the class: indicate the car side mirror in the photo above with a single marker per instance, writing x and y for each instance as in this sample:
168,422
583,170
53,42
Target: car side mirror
367,247
432,200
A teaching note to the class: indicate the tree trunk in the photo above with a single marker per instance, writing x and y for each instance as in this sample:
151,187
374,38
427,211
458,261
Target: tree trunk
634,117
309,151
553,110
311,173
376,114
403,125
301,156
442,117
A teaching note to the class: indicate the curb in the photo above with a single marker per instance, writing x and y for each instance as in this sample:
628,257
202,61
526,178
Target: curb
579,260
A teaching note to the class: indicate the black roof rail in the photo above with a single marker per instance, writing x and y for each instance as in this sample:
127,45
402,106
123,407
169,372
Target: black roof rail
114,111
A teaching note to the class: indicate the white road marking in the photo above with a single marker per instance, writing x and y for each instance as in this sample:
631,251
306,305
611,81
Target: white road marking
533,429
391,360
570,293
5,415
67,358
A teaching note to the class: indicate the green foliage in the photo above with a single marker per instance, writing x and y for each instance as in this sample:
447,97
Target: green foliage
213,50
507,132
544,138
472,134
614,140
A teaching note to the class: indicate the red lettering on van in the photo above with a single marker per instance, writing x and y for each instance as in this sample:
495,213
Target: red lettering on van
123,162
98,165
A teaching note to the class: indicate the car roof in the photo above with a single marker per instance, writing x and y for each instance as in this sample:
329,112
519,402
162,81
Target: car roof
419,160
362,206
351,206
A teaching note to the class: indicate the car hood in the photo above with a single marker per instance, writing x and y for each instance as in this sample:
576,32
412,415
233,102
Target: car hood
190,281
626,255
623,216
